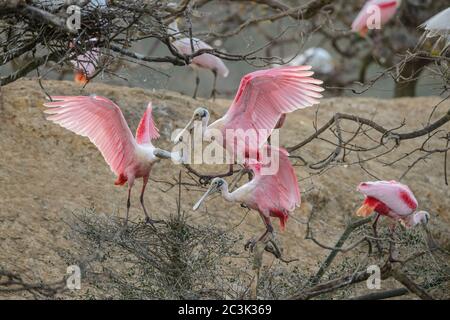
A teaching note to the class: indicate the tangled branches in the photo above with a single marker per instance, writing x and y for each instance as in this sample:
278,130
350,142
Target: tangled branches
37,32
41,29
359,139
13,282
178,260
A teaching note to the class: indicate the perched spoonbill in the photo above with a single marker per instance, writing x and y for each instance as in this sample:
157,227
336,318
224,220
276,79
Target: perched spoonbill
260,102
373,12
102,121
205,60
85,64
276,195
391,199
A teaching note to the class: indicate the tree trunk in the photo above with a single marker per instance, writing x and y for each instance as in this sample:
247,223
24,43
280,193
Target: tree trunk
405,89
409,76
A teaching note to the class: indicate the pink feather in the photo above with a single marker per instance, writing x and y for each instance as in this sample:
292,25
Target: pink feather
396,196
387,8
277,194
146,130
102,121
265,95
205,60
86,63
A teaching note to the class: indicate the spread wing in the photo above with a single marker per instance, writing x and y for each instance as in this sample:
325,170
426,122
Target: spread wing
100,120
264,95
146,130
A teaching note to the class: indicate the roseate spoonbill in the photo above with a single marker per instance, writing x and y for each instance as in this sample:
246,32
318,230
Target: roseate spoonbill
260,102
391,199
102,121
85,64
275,195
205,60
373,10
319,59
438,26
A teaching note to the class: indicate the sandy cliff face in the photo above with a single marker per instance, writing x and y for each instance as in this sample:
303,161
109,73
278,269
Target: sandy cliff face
47,172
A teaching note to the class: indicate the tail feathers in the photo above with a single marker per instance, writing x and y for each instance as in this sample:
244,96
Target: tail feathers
363,32
283,216
121,180
80,77
222,69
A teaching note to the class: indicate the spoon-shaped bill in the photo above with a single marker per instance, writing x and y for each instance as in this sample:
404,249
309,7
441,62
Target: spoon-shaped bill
179,137
211,190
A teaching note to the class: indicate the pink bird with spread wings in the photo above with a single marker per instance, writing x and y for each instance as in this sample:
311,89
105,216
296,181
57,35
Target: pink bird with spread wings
391,199
102,121
262,99
374,11
272,195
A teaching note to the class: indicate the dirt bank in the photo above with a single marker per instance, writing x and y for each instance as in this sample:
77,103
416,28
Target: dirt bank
47,172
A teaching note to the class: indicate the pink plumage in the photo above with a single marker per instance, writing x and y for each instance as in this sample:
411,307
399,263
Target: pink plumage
391,199
385,8
265,95
260,105
396,196
277,194
205,60
146,130
102,121
86,63
273,193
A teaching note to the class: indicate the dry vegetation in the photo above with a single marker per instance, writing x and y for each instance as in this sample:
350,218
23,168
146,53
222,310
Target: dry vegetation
58,206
